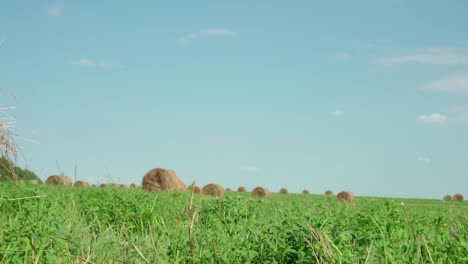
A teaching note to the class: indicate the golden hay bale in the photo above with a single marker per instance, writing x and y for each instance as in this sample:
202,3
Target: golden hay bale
213,189
242,189
458,197
228,190
103,185
133,186
305,192
123,186
345,196
328,192
448,197
160,179
66,180
194,188
81,184
261,192
58,180
284,191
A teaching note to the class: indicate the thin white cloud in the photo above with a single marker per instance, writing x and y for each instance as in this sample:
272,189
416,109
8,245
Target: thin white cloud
338,112
423,159
248,168
54,10
454,84
340,56
209,33
432,119
96,64
430,56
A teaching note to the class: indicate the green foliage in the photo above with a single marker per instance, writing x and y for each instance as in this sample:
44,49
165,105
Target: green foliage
21,174
112,225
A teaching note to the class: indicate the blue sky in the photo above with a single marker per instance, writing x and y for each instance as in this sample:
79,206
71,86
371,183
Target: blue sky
366,96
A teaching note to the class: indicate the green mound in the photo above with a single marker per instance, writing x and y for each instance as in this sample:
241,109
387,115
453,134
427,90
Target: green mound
21,174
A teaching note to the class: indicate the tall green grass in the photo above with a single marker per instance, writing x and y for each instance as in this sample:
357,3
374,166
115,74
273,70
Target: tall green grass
70,225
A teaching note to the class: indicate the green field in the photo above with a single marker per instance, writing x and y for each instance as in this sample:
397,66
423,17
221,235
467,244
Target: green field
43,224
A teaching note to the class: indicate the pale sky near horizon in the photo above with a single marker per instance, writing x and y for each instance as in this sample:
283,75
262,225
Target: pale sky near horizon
366,96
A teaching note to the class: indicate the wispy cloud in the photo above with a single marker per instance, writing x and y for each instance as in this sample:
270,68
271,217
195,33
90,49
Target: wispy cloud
248,168
209,33
338,112
430,56
432,119
454,84
54,10
339,56
96,64
423,159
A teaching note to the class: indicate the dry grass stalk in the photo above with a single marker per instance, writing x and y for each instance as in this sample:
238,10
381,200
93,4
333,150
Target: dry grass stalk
8,147
305,192
448,197
328,192
213,189
284,191
261,192
345,196
242,189
458,197
81,184
160,179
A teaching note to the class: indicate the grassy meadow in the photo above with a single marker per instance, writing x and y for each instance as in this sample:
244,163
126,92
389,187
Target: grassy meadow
56,224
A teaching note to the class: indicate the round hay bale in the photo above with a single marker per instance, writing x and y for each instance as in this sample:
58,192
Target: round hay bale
66,180
58,180
81,184
104,185
228,190
123,186
448,197
328,192
242,189
458,197
195,189
213,189
305,192
284,191
133,186
261,192
160,179
345,196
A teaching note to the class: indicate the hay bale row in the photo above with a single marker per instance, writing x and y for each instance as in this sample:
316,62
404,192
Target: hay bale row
456,197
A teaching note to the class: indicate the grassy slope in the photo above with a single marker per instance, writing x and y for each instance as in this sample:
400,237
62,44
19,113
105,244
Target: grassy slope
131,226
